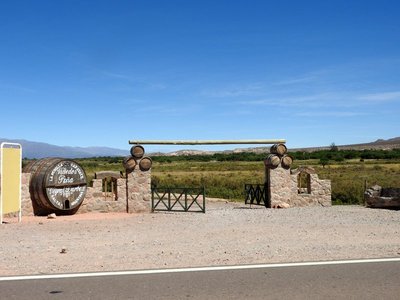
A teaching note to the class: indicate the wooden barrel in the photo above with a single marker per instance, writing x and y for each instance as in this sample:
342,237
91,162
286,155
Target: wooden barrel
279,149
272,161
129,163
145,163
286,161
137,151
57,185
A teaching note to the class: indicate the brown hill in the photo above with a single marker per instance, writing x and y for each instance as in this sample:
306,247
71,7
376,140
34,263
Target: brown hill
388,144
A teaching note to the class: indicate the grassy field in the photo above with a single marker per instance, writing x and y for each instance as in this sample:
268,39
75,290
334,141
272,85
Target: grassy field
350,177
226,179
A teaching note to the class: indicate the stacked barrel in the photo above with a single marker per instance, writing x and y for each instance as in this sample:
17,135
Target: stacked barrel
137,159
278,156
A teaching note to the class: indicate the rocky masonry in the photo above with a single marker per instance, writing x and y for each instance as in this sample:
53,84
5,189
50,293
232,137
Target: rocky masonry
133,194
130,193
285,189
139,191
378,197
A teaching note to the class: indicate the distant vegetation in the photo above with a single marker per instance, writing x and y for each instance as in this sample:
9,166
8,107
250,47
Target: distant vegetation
224,175
331,155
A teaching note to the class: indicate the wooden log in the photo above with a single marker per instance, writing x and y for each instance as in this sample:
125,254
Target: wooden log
205,142
106,174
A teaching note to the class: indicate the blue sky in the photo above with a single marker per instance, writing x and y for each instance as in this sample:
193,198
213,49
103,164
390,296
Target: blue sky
99,73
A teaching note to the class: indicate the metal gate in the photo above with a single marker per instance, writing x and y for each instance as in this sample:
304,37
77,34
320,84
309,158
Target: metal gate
178,199
257,194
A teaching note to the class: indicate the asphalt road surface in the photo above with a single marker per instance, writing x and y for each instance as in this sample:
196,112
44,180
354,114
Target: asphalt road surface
366,280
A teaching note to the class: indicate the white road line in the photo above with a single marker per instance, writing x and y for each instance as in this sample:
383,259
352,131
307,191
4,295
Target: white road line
197,269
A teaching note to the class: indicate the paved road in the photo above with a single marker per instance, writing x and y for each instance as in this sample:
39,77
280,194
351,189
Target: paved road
376,280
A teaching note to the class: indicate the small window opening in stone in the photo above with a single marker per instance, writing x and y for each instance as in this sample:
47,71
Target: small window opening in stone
109,188
304,183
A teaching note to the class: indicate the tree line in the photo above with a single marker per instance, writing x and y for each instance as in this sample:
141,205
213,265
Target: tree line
332,154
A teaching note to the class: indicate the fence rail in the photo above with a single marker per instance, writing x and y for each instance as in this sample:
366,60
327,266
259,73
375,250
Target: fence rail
178,199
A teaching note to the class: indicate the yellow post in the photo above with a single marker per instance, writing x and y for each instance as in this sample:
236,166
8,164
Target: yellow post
10,199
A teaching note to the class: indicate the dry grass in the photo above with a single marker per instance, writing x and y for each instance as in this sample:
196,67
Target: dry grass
227,179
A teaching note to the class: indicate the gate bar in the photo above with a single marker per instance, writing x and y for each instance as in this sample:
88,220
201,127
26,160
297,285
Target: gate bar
205,142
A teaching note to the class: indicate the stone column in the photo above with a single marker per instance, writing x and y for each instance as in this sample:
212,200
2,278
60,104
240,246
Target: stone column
321,189
121,189
279,187
26,202
138,191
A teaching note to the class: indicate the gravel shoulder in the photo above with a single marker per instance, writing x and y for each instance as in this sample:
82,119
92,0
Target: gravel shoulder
228,234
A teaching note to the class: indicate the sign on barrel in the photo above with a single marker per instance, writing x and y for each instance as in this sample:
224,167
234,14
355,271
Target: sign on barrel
10,199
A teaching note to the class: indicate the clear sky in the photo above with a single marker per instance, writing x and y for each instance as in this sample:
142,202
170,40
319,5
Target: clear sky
99,73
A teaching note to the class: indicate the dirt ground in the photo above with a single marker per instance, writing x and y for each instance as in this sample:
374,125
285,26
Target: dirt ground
227,234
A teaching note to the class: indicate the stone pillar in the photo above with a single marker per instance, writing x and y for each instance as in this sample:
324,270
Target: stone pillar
139,191
279,187
26,202
321,190
121,189
95,200
97,185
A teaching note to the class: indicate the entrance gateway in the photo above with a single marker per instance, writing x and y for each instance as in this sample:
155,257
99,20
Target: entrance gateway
166,199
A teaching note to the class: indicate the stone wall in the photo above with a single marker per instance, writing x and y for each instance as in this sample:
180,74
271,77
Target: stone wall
280,187
26,202
378,197
133,195
99,201
284,191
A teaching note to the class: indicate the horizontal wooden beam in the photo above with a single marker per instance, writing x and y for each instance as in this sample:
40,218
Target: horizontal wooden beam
205,142
105,174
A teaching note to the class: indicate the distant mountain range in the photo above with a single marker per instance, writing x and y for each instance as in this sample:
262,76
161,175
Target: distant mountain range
393,143
40,150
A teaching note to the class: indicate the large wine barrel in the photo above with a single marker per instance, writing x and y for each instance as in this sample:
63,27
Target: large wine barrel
57,185
286,161
129,163
279,149
145,163
137,151
272,161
